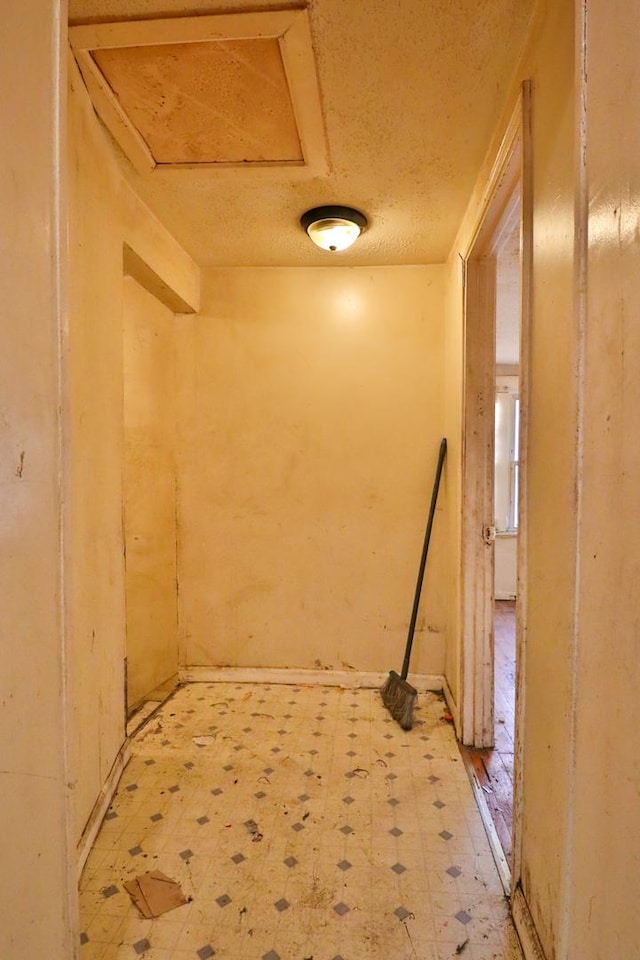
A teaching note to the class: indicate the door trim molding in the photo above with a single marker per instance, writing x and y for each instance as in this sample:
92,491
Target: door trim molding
477,497
526,273
496,209
513,166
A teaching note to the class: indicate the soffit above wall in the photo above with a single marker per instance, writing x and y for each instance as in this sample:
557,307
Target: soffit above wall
408,95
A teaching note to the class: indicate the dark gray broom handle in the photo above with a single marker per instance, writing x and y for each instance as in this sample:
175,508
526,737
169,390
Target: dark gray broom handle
423,559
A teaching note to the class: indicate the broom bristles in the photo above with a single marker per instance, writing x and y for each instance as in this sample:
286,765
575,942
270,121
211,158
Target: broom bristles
399,697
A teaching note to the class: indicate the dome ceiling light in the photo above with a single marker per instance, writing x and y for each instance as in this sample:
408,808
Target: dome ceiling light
333,228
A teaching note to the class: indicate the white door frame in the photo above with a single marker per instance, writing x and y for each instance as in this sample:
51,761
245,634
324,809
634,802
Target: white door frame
510,175
477,500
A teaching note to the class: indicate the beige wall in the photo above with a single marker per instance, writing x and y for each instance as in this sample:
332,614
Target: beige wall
149,479
453,395
312,403
604,853
580,843
551,469
37,876
103,216
311,411
551,463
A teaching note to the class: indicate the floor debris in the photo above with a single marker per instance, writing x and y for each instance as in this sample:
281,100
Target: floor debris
254,831
206,741
154,894
381,827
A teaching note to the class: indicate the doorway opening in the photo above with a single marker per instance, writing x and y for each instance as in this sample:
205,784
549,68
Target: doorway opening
494,581
498,765
492,763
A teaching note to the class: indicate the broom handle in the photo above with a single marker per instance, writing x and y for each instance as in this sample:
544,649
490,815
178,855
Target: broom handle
423,559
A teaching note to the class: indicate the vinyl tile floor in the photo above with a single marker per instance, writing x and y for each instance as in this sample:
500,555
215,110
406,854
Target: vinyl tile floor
302,824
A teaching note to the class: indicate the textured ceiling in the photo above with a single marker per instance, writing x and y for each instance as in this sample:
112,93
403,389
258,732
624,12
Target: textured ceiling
411,91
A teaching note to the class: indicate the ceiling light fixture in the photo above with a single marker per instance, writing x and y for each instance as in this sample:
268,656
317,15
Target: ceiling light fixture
333,228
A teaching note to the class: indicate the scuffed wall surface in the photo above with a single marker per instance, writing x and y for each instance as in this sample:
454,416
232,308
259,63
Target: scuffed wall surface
551,465
37,870
96,595
605,852
311,412
103,215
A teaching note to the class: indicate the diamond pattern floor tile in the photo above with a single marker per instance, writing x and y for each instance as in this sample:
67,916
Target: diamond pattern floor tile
352,845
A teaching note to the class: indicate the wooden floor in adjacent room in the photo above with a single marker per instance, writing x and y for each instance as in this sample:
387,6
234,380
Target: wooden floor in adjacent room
494,768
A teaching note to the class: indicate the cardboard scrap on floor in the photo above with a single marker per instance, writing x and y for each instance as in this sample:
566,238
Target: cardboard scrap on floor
154,894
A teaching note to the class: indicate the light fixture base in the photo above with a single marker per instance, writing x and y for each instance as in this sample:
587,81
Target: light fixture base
333,227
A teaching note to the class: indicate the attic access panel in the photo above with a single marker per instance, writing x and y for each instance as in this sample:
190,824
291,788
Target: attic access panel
215,101
232,90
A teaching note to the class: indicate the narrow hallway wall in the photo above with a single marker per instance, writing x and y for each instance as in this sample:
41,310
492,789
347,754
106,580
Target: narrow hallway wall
37,876
311,411
106,222
604,854
580,778
551,465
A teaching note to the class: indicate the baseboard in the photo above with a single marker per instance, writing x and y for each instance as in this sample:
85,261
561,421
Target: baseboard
142,716
350,679
101,805
496,847
523,921
452,705
501,863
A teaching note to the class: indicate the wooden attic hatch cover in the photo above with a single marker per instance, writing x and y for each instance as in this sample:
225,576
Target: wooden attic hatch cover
223,90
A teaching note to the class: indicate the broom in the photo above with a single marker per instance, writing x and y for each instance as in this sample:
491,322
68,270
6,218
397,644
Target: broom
398,696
